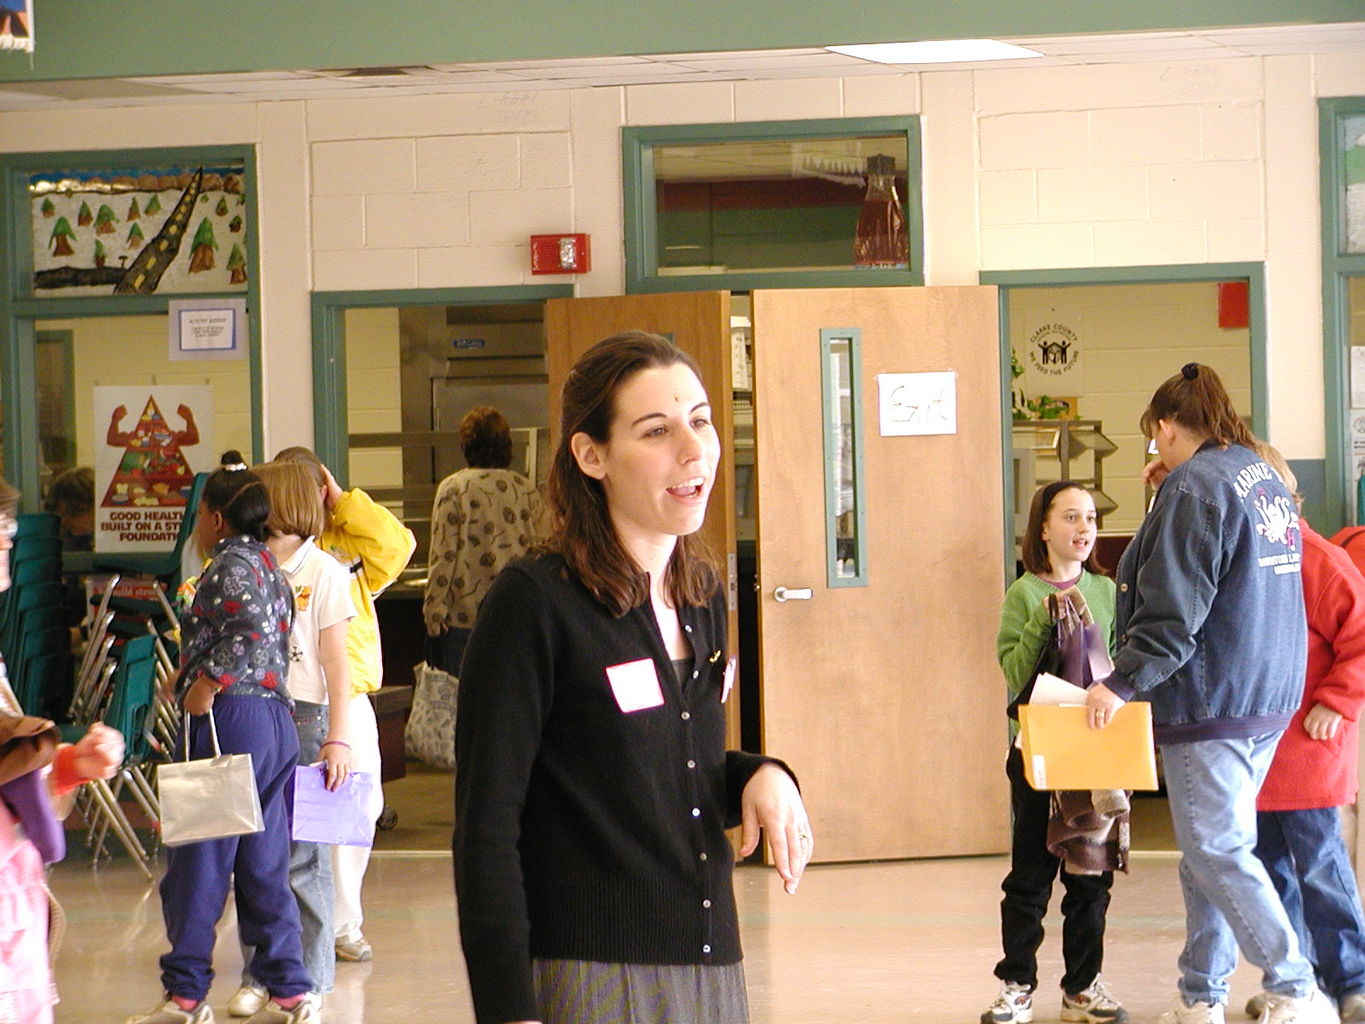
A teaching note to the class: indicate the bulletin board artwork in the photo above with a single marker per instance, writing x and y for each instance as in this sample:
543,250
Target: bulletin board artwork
144,470
139,232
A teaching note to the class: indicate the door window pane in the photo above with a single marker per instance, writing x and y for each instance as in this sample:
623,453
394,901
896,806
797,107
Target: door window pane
845,537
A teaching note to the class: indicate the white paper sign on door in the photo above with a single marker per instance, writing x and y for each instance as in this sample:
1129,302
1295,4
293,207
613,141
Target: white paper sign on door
917,403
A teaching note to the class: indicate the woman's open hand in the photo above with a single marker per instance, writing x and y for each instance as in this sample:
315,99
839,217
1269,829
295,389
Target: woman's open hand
771,802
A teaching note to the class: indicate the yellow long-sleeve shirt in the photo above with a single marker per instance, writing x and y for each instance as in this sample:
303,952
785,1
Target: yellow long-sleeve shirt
375,546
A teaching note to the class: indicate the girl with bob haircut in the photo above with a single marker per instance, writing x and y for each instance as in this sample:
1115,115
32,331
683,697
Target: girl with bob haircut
320,684
593,789
1058,549
1211,615
234,660
373,546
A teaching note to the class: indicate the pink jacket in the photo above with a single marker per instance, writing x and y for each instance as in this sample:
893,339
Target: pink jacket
1309,773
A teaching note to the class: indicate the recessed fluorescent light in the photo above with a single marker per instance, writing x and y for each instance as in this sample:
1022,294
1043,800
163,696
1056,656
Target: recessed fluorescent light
936,51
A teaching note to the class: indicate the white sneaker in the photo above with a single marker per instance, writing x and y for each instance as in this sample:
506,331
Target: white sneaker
308,1010
247,1000
1014,1005
1093,1005
171,1013
1314,1008
1199,1013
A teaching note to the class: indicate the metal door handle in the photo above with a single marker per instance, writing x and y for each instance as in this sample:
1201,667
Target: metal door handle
782,594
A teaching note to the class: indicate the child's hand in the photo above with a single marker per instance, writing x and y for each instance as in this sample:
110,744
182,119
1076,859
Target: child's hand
98,753
1076,599
1321,722
336,763
199,697
1154,472
333,491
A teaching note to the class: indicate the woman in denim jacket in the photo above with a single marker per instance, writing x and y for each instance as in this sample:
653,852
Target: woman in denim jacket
1211,630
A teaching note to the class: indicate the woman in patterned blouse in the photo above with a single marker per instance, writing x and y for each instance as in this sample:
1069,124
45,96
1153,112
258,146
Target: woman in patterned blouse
485,516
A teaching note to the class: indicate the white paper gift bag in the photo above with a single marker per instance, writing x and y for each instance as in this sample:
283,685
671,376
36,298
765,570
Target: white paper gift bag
209,798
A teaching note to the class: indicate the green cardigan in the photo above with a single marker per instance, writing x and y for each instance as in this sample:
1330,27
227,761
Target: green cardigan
1024,625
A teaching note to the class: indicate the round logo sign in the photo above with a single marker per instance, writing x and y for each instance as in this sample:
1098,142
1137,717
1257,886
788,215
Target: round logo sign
1053,349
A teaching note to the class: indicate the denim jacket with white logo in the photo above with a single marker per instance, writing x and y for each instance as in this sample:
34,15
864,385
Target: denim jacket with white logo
1210,618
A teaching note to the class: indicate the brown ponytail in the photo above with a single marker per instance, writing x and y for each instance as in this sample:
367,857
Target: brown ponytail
1196,399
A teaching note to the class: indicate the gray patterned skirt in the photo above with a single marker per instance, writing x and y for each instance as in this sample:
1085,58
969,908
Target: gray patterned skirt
587,992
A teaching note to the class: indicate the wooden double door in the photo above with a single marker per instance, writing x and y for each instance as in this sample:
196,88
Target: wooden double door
885,698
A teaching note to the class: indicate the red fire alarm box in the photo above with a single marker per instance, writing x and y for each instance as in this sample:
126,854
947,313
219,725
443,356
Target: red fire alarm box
560,254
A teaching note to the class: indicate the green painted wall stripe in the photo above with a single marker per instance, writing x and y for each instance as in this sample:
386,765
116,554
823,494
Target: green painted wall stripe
118,38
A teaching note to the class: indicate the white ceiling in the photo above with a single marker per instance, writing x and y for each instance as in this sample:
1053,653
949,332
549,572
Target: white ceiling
573,73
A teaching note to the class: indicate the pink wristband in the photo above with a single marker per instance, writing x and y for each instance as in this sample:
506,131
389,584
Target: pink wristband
337,743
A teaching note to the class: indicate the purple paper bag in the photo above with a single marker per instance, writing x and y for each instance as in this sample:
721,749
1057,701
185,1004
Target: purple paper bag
28,798
336,817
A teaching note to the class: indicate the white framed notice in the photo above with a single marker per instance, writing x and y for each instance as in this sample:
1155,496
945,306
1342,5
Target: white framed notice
207,328
917,403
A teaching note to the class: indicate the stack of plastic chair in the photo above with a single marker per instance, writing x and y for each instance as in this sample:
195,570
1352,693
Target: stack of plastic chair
33,636
131,709
91,689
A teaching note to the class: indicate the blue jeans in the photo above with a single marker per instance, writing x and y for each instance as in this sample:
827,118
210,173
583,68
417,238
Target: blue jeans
1229,899
1307,860
310,867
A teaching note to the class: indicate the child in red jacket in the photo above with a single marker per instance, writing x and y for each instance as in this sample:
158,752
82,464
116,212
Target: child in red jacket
1314,772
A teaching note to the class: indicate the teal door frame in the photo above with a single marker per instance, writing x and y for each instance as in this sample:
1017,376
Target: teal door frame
1182,273
329,349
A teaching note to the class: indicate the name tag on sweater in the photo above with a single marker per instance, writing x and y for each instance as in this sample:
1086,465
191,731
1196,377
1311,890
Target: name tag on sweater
729,680
635,685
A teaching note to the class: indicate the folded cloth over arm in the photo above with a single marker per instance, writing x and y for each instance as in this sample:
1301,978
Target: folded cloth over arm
1089,830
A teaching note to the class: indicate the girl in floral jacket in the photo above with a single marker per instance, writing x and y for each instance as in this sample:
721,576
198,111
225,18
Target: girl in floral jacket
234,660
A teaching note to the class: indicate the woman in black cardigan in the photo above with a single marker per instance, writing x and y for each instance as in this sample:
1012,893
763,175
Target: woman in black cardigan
593,788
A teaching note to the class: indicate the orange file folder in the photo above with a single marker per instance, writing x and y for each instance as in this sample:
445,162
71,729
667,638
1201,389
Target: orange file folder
1061,751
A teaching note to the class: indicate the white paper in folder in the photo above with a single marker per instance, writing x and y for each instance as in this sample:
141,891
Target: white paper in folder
1050,689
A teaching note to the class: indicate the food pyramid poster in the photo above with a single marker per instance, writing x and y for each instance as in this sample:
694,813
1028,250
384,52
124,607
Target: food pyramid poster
150,441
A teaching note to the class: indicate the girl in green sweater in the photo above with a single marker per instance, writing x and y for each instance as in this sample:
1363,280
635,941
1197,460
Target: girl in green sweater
1058,551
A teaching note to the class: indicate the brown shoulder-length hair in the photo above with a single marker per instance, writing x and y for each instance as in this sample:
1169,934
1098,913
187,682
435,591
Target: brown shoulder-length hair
582,528
1196,399
1033,548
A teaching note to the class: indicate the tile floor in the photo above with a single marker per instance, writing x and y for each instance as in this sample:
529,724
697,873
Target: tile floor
885,943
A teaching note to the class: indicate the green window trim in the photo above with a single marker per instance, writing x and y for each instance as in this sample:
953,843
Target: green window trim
1338,267
832,415
640,203
20,309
